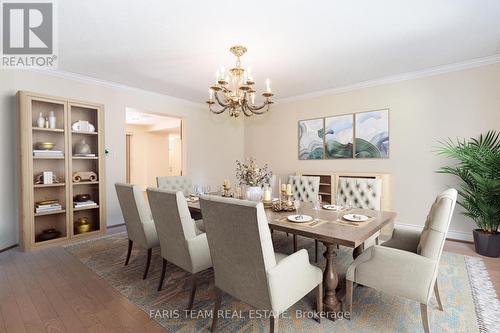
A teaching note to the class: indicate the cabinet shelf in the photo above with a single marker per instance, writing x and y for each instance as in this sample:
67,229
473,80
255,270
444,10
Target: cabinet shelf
84,133
62,211
49,185
42,129
48,157
85,158
86,183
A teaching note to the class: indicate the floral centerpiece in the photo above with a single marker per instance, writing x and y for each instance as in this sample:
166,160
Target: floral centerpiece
251,175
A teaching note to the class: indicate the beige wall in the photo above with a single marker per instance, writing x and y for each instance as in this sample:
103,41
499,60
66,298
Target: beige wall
213,142
422,112
149,155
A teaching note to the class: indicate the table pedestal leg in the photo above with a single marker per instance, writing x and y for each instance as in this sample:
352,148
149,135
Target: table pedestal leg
330,281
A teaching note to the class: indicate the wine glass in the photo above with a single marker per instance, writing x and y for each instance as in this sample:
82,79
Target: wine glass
317,207
207,189
296,205
196,189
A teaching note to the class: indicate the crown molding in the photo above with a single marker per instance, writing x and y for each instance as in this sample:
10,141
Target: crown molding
478,62
104,83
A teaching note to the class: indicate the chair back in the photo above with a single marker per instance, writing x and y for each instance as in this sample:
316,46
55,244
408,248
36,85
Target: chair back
365,193
175,183
436,226
241,248
305,189
173,224
135,211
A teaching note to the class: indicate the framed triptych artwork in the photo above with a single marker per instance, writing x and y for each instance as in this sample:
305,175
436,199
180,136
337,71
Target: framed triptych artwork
359,135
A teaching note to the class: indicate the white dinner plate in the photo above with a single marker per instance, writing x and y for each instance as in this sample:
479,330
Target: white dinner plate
332,207
300,218
356,217
192,199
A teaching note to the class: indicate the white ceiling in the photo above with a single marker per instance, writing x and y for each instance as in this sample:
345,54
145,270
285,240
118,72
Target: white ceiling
175,47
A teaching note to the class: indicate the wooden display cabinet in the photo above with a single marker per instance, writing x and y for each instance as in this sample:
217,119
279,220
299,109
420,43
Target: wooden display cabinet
67,112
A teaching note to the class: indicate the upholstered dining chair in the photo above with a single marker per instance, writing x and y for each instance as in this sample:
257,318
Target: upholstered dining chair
138,221
179,183
245,264
364,193
175,183
408,264
305,189
180,242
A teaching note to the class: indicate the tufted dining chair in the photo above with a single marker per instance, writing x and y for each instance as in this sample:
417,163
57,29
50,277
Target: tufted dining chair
364,193
175,183
407,265
181,243
179,183
305,189
138,220
245,264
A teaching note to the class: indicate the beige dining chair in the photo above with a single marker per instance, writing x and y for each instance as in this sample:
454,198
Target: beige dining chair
364,193
179,183
180,242
245,264
407,265
138,220
305,189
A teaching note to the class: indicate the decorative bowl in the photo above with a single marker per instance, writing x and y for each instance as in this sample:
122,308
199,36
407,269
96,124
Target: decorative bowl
45,145
81,197
47,235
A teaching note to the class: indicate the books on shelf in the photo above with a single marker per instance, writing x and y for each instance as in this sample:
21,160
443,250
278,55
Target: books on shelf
48,153
81,204
48,206
84,155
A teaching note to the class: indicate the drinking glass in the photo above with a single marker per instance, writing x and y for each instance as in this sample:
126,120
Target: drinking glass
207,189
196,189
296,205
317,207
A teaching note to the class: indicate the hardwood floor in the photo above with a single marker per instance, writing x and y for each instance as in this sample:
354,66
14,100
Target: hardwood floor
51,291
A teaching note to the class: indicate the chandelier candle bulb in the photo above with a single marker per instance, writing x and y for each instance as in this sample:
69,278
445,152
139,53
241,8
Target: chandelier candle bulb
268,85
210,94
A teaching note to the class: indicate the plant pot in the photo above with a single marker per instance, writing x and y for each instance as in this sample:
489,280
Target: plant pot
254,193
486,244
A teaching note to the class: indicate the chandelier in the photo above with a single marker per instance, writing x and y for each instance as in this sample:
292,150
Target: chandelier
236,90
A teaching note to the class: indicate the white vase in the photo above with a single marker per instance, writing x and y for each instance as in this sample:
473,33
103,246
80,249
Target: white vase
52,120
40,122
254,193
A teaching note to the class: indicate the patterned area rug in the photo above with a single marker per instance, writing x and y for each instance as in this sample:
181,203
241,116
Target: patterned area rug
372,311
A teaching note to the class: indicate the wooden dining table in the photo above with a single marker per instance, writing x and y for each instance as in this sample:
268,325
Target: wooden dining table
332,230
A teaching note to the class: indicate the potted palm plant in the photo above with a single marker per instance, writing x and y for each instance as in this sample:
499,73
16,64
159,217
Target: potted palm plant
478,169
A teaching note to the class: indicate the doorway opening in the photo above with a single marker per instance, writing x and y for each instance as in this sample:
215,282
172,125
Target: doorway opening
153,147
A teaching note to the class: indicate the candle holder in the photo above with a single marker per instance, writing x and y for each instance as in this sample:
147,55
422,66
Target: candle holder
226,191
284,203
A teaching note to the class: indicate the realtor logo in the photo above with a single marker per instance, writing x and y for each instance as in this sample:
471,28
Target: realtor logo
28,34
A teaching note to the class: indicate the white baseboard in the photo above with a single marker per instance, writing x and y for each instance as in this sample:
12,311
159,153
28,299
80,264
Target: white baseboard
452,234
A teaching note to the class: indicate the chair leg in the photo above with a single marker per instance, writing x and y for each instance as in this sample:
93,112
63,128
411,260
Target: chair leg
377,241
316,251
338,247
129,251
273,323
294,243
193,292
348,297
147,264
438,297
319,301
287,234
162,277
425,318
215,316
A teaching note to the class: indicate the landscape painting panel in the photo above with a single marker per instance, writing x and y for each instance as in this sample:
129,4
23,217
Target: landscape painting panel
339,136
311,139
372,134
